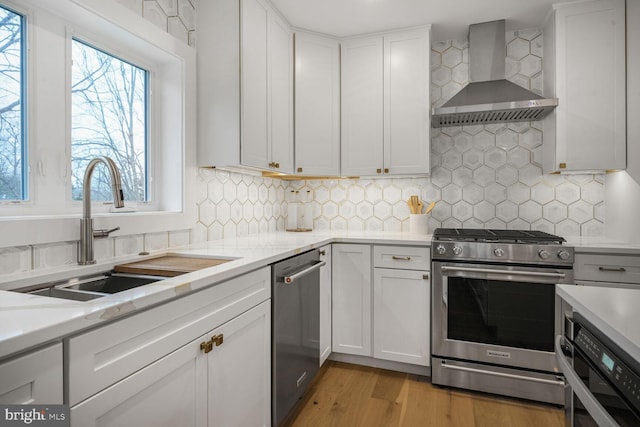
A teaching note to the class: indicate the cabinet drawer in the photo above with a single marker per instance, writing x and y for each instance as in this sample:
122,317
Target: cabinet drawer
607,268
402,257
35,378
105,355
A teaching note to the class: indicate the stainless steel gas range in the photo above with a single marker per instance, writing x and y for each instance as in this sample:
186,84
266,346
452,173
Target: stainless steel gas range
495,312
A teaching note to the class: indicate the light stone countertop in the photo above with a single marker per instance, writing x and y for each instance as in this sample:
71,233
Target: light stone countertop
603,245
27,321
614,311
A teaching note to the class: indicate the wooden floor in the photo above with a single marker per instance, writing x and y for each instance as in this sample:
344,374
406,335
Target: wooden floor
351,395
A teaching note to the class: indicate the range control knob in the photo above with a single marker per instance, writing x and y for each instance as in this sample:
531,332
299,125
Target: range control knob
543,253
441,250
563,255
457,250
499,252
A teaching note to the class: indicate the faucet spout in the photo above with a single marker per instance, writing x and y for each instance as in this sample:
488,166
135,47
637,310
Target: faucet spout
87,234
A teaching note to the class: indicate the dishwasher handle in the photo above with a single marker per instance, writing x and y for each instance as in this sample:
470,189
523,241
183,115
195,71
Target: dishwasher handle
599,414
292,278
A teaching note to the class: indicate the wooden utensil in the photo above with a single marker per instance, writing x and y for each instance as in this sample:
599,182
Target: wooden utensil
430,207
413,203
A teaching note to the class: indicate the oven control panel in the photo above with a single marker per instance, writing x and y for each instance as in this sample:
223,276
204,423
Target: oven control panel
503,253
624,379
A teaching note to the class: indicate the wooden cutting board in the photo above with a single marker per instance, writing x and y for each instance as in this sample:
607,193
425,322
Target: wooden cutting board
168,266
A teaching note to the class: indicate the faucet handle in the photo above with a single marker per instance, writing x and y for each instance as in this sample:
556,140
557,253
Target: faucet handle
104,233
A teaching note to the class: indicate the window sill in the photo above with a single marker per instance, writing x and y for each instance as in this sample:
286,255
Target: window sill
36,230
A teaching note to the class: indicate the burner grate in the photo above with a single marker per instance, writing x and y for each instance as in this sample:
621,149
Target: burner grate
506,236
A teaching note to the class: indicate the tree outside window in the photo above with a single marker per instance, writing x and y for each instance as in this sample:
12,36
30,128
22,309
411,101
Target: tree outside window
108,118
12,146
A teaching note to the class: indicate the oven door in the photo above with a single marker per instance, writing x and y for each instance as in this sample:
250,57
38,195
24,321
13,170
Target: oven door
499,314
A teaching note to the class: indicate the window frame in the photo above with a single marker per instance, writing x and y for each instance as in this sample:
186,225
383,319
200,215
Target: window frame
47,216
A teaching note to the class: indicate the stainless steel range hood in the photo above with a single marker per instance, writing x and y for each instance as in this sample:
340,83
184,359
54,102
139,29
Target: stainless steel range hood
489,97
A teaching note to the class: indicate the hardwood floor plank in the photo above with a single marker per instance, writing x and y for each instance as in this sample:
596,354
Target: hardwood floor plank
350,395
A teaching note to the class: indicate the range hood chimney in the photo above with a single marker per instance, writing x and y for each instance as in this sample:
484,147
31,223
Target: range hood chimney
489,97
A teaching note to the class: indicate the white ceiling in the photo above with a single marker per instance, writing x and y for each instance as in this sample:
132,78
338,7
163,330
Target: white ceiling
450,18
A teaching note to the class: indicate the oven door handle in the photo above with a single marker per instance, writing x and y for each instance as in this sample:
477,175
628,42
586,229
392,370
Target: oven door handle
599,414
503,272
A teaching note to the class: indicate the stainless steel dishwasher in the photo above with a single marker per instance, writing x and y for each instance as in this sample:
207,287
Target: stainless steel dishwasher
295,330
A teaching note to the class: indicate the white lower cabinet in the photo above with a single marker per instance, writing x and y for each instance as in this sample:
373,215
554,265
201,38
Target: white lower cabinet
204,359
325,304
351,299
170,392
227,384
33,379
401,301
387,318
239,371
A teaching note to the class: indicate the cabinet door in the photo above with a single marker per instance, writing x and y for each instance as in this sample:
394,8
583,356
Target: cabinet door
239,371
406,106
362,106
280,94
325,304
317,104
170,392
254,104
35,378
351,299
401,303
591,114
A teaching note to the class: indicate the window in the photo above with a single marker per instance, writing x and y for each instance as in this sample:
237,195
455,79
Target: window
12,130
93,79
108,118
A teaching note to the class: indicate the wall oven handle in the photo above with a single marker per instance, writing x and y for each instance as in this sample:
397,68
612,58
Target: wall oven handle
501,374
503,272
290,279
597,412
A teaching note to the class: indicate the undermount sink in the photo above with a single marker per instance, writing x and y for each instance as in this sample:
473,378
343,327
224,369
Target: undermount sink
123,277
92,287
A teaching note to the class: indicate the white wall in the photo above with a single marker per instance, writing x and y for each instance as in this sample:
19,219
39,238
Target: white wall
623,188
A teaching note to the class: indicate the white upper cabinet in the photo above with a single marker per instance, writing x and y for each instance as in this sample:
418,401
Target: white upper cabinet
245,86
362,106
385,104
584,67
317,104
407,102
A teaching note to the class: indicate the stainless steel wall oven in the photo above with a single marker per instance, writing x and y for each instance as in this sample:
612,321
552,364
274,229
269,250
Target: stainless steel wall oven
495,312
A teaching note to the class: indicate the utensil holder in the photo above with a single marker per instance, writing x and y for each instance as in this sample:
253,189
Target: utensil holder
418,224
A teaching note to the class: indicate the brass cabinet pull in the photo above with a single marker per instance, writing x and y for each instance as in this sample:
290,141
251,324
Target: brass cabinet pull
425,276
401,258
274,165
323,252
618,269
379,170
217,339
386,170
206,346
299,170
